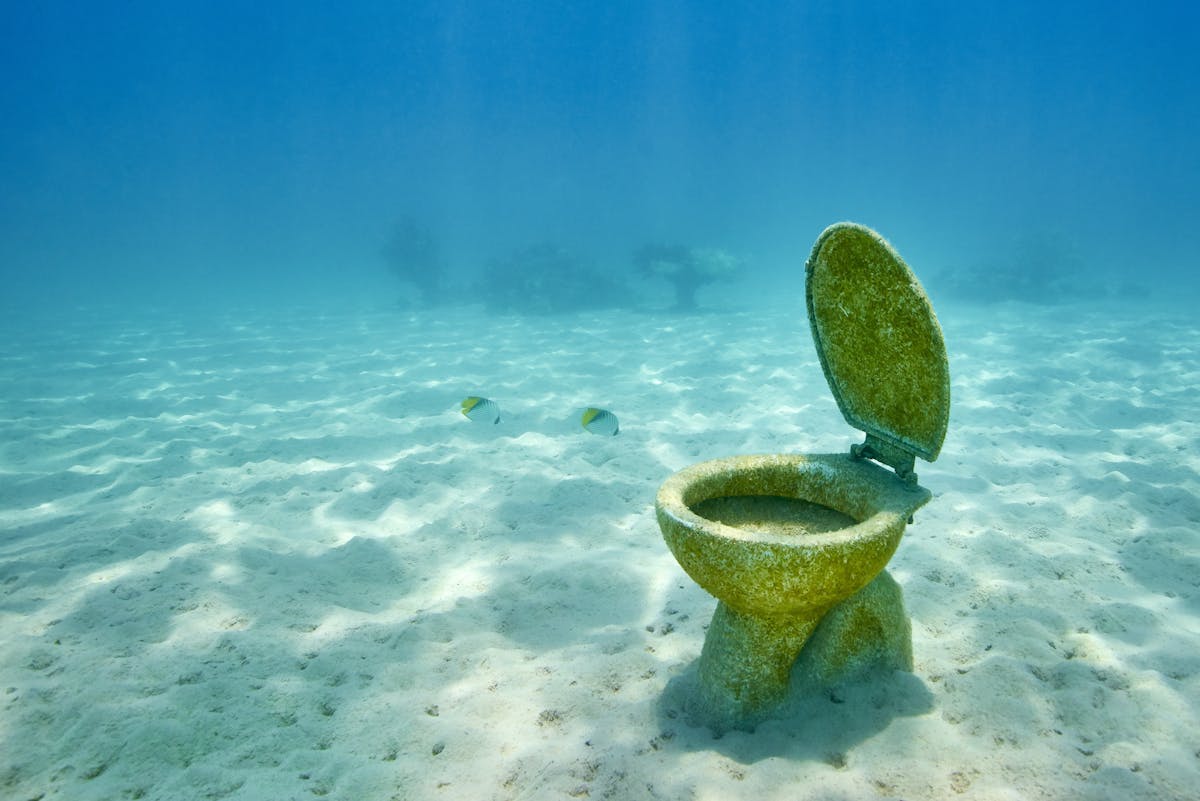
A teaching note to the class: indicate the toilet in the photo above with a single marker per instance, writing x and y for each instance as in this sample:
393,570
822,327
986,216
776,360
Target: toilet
793,546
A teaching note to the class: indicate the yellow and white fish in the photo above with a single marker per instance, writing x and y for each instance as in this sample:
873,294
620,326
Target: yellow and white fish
481,410
600,422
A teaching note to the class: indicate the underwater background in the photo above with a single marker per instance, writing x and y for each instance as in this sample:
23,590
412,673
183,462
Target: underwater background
268,153
317,321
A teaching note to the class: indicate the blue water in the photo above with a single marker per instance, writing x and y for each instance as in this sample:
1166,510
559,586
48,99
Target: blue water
253,255
186,153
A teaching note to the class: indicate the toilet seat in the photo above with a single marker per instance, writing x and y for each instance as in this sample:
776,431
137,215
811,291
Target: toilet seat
880,346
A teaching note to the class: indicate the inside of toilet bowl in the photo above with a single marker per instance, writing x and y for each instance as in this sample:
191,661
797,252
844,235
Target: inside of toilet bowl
772,514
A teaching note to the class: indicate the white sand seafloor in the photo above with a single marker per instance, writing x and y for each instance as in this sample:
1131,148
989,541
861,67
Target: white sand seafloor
263,556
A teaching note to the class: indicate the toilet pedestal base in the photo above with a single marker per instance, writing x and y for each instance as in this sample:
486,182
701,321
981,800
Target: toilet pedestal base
868,631
748,660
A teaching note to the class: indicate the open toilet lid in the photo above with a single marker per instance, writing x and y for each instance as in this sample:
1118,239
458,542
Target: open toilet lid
878,339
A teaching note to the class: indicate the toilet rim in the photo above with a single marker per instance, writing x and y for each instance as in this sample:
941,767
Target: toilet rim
881,521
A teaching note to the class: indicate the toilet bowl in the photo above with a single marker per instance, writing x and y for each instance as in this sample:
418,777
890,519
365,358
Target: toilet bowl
781,540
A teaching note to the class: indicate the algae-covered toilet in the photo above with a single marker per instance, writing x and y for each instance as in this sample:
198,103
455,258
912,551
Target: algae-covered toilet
794,544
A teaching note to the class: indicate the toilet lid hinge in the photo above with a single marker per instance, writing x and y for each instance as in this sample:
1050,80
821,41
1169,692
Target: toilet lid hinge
897,458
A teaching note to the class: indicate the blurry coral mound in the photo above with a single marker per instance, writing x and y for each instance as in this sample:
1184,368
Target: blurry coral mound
1042,267
413,255
686,269
546,279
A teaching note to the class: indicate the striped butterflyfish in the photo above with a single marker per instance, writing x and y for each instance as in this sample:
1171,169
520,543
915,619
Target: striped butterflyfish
481,410
600,422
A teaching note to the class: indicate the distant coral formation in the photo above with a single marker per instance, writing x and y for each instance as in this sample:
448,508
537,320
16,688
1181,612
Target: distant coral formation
687,269
413,254
1042,267
547,279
